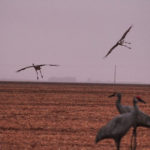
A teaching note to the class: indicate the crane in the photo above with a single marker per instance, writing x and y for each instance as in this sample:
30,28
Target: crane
119,125
37,68
121,42
143,120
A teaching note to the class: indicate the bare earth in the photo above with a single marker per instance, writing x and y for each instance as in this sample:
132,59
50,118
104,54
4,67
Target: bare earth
38,116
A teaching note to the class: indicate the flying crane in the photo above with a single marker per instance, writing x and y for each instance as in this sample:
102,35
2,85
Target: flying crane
37,68
121,42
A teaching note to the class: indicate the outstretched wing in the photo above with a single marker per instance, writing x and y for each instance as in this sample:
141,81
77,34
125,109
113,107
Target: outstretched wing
48,65
55,65
24,68
124,35
111,49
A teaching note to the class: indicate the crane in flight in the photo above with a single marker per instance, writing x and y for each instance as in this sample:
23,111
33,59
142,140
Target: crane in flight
121,42
37,68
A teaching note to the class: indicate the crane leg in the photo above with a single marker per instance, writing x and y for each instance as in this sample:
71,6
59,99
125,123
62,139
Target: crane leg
135,134
133,147
117,142
126,46
127,42
37,74
41,74
131,142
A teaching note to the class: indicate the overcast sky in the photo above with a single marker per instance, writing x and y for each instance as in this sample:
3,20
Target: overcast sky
75,34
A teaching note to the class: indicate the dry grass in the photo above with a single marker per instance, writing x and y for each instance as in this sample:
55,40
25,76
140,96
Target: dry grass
63,116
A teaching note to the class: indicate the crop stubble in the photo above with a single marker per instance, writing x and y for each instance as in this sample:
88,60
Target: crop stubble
64,116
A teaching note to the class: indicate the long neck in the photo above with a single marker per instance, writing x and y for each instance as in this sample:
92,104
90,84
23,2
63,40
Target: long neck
119,98
136,109
118,103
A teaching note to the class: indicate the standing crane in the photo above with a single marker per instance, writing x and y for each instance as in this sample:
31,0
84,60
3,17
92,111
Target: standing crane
37,68
119,125
121,42
143,120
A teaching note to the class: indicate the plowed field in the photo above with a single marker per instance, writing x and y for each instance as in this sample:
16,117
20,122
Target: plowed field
39,116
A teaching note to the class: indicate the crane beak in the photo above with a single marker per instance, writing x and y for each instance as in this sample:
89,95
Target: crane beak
112,95
140,100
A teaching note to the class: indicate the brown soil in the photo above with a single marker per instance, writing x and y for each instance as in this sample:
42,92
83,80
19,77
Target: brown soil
64,116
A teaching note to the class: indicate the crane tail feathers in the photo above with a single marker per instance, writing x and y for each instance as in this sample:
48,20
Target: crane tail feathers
98,138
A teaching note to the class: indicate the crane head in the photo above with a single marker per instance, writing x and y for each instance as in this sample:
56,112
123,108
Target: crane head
115,94
138,99
112,95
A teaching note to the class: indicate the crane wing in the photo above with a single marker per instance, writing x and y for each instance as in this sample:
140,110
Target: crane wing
54,65
24,68
48,65
124,35
111,49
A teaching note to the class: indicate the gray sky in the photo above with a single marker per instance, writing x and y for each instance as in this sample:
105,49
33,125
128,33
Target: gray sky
75,34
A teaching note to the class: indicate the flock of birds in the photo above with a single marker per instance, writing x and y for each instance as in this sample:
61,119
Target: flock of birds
129,116
121,42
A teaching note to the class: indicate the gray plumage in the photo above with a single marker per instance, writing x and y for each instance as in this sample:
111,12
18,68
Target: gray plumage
119,125
143,120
